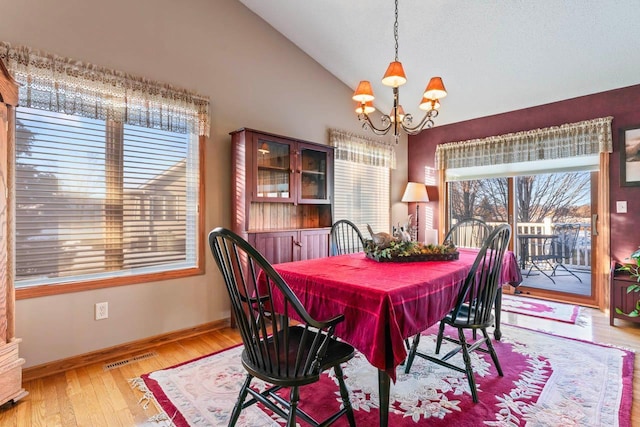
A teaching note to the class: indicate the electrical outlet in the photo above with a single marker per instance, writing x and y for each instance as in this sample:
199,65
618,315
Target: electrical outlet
102,310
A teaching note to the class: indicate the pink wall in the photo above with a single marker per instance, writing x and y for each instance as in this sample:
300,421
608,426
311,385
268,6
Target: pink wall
623,104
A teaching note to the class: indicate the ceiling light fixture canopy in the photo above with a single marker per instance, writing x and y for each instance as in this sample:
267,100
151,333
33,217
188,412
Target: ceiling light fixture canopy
397,119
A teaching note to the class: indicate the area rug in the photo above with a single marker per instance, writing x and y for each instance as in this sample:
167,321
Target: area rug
548,381
551,310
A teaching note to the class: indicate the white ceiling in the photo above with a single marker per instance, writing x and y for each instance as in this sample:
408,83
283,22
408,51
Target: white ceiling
494,56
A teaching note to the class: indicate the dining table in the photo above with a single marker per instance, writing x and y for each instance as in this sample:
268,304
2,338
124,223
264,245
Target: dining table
385,303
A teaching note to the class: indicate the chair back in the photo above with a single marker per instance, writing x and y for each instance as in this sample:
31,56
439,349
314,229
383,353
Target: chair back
262,304
346,238
477,295
565,243
468,233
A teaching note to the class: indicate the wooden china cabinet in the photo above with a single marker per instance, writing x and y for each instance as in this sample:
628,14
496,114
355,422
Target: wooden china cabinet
10,362
282,194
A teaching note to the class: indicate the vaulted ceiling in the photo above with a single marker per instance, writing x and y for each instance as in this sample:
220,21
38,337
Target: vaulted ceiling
494,56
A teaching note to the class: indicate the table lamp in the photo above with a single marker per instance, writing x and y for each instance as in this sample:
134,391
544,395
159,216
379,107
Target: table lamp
416,192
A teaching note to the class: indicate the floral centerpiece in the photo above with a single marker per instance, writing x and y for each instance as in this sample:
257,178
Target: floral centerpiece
408,251
634,271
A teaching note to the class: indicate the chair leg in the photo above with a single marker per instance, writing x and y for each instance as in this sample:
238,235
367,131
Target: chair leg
295,397
492,352
344,394
467,365
533,264
412,353
241,397
565,269
440,334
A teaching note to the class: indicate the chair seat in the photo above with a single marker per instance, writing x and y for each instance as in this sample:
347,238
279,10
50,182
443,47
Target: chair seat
337,352
461,319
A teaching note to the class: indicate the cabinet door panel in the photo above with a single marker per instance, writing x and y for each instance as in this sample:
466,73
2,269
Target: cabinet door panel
314,243
274,169
619,297
276,247
314,171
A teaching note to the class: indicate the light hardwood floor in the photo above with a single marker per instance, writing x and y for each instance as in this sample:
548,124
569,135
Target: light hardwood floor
92,396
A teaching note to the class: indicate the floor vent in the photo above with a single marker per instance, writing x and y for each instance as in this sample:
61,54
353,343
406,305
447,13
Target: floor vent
132,359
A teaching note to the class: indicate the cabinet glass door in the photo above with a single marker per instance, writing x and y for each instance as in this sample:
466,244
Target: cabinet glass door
314,184
274,170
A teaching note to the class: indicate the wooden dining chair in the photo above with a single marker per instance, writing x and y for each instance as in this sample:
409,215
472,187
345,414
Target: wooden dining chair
346,238
280,352
472,309
468,233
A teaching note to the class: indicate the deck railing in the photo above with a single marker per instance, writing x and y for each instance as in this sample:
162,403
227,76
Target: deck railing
581,257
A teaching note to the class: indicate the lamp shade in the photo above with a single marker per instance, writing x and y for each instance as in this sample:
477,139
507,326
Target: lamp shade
415,192
435,89
429,104
363,92
368,108
394,76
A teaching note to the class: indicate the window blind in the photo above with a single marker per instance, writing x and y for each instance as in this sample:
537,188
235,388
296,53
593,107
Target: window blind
97,198
362,195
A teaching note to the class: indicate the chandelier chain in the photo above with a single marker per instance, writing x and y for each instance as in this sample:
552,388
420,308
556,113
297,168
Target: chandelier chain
395,30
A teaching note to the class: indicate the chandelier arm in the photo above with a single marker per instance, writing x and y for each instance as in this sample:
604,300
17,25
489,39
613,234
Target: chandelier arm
427,121
366,122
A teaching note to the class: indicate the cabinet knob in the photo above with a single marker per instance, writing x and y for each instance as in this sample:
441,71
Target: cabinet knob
298,244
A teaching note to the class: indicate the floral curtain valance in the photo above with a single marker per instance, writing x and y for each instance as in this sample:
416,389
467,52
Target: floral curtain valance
585,138
64,85
355,148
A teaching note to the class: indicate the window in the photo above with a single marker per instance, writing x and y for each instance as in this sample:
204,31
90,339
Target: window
362,180
107,176
96,200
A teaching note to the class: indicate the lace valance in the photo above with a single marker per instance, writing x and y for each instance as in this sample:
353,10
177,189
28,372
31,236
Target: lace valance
585,138
64,85
355,148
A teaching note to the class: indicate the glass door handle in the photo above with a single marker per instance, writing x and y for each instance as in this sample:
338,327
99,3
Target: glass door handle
594,224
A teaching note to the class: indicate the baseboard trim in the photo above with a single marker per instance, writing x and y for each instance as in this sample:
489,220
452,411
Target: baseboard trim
62,365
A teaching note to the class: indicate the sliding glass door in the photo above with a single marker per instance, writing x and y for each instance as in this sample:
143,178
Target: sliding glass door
551,217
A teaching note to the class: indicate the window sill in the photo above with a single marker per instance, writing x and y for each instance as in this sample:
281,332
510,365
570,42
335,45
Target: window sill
47,290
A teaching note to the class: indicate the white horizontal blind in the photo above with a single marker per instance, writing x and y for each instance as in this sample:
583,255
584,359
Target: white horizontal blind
362,195
155,198
97,199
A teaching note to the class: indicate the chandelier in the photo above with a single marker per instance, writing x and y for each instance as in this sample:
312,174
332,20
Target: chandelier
397,119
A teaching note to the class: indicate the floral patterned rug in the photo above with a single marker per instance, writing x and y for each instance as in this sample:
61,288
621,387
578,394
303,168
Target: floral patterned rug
548,381
567,313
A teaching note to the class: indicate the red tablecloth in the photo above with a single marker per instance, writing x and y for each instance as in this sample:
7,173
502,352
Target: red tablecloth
383,303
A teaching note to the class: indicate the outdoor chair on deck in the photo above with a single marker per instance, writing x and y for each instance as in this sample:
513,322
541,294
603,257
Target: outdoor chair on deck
276,351
468,233
556,251
346,238
472,309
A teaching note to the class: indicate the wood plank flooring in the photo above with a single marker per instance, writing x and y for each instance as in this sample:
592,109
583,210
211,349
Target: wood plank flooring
93,396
